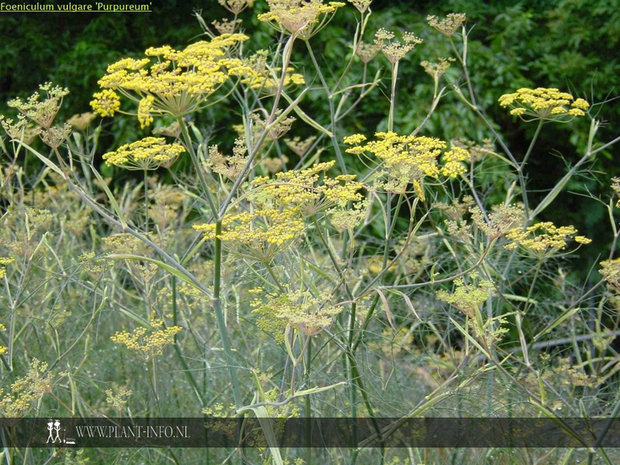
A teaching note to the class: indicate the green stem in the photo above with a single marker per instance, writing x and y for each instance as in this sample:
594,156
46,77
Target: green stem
177,348
146,203
532,142
199,171
332,110
307,406
221,322
519,322
526,204
463,61
393,97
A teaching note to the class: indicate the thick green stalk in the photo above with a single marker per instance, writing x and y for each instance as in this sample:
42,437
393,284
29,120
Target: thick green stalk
221,323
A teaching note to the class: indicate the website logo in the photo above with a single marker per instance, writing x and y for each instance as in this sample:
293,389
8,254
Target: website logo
56,434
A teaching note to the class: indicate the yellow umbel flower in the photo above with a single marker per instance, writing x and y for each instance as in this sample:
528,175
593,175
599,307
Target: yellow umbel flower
106,103
146,154
610,270
169,81
3,349
543,238
258,228
302,18
361,5
309,190
467,297
294,308
544,104
26,390
409,159
452,166
256,73
21,129
3,262
144,111
147,342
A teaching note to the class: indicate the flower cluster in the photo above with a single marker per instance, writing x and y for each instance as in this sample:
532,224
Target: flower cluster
275,130
395,50
302,189
263,226
81,121
366,52
22,129
299,146
409,159
147,342
544,104
448,25
467,297
26,390
502,219
117,396
106,103
543,238
257,74
228,166
615,186
361,5
236,6
3,262
42,112
167,201
310,191
436,70
274,164
226,26
610,270
3,349
169,81
295,308
146,154
303,18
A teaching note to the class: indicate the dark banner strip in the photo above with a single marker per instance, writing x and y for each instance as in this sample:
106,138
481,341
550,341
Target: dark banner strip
309,432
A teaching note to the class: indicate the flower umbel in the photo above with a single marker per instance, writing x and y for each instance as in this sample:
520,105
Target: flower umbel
147,342
106,103
610,270
236,6
146,154
296,308
257,228
544,104
395,50
304,18
42,112
448,25
543,238
409,159
168,81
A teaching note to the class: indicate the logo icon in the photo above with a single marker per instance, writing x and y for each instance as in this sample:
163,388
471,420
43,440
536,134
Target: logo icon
53,433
